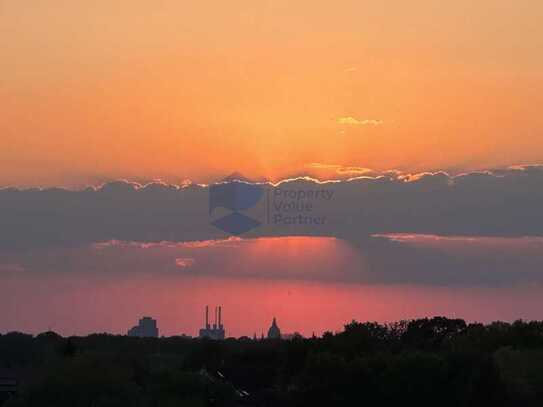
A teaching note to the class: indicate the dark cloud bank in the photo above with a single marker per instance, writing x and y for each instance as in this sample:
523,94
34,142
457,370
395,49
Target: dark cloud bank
505,204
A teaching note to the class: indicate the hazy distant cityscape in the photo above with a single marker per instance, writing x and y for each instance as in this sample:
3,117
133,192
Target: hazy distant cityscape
147,327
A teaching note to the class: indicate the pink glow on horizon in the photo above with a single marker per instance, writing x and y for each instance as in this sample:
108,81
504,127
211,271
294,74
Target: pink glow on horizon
72,305
299,280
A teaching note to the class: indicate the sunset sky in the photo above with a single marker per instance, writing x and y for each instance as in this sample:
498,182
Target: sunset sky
94,91
425,114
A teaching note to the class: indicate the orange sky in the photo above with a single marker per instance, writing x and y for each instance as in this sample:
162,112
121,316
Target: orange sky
91,91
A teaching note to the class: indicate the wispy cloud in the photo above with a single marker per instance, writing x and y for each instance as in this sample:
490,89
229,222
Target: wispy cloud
322,166
341,170
354,171
353,121
196,244
184,262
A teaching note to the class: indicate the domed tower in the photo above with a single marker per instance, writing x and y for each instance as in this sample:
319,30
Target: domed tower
274,332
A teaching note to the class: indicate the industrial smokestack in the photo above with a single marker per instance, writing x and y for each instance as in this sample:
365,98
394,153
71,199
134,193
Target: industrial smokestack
215,324
220,317
207,316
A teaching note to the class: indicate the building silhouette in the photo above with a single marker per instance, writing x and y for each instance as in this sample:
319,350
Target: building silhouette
146,328
217,330
274,332
291,336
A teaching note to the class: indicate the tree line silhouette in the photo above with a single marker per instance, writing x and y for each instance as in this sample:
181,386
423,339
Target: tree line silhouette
420,362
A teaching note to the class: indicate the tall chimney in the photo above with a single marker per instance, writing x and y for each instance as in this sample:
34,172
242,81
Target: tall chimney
220,318
215,324
207,316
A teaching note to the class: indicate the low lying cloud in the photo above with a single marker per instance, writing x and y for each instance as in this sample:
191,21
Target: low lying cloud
409,259
527,243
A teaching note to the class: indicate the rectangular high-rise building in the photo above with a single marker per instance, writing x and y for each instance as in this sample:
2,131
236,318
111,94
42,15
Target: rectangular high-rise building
146,328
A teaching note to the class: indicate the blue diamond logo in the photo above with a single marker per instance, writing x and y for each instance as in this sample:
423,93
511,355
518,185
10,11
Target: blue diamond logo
236,223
